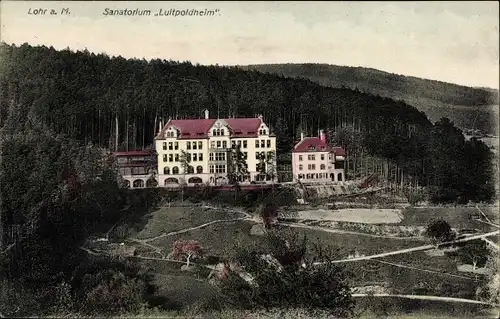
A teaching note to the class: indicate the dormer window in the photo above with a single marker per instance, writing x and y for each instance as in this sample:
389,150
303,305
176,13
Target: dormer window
311,148
218,132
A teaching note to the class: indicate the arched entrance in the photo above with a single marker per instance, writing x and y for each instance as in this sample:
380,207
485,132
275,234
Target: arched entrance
171,180
195,180
138,183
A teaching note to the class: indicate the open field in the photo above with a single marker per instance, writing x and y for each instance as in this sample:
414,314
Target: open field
171,219
356,215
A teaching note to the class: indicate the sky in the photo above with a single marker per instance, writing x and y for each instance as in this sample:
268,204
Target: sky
455,42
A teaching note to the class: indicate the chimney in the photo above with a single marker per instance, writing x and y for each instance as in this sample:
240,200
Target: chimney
206,114
322,136
301,136
159,131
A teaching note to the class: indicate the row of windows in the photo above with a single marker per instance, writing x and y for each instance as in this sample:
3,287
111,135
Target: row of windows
312,167
217,169
218,132
215,144
189,145
191,157
241,144
218,144
263,143
322,176
175,170
312,157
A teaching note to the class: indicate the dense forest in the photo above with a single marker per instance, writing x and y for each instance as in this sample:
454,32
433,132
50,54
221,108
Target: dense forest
467,107
118,103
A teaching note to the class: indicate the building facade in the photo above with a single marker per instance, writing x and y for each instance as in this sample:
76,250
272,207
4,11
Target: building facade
313,160
137,168
195,151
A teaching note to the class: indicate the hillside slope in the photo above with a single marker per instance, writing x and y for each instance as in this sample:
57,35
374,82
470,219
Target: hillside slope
472,108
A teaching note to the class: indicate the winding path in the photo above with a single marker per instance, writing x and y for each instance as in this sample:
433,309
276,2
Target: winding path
340,231
409,250
423,297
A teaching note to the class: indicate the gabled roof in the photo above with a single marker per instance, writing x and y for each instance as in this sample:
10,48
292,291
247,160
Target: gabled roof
199,128
315,144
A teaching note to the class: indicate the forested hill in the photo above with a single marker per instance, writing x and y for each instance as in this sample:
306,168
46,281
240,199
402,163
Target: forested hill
81,94
99,99
467,107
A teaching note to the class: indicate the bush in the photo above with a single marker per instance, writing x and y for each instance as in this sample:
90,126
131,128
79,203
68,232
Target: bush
288,285
439,231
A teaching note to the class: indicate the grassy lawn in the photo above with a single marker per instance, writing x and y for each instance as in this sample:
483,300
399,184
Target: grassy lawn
216,239
172,219
457,217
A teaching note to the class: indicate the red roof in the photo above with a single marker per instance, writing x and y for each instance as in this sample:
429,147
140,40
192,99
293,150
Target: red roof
315,144
198,128
133,153
339,151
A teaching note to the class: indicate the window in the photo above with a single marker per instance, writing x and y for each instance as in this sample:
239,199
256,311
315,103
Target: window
222,132
190,170
224,144
300,157
199,169
262,143
176,145
211,157
311,157
188,145
269,143
218,144
212,169
194,145
200,157
214,132
166,170
175,170
256,155
322,166
164,146
260,132
233,144
313,166
244,144
256,143
200,145
170,157
164,157
195,156
176,157
245,155
300,167
220,156
212,144
220,168
170,146
322,157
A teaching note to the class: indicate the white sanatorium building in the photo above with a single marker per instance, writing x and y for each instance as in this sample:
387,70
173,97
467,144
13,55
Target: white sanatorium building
209,145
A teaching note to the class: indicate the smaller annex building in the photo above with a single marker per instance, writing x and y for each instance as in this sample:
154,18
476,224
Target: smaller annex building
313,160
